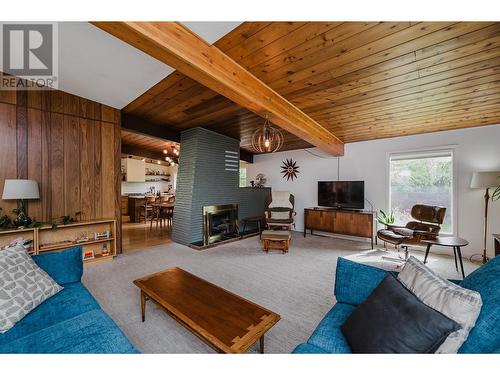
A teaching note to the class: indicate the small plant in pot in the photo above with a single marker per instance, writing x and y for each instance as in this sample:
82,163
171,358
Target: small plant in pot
386,219
5,220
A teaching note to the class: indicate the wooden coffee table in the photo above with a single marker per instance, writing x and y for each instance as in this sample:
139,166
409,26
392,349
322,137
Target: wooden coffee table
226,322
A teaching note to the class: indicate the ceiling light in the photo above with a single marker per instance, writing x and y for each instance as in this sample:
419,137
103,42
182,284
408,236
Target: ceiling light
165,152
267,139
158,162
172,163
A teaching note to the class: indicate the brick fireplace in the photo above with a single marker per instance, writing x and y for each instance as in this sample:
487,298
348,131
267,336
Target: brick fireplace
208,175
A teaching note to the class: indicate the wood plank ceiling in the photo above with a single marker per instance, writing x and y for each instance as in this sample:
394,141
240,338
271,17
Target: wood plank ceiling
146,142
360,80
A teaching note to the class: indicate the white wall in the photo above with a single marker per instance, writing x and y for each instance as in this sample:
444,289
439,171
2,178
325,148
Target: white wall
474,149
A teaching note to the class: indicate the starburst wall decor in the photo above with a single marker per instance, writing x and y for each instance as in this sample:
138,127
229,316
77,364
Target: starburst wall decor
290,169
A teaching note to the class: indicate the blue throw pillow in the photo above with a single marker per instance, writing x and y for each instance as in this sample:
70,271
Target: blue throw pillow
63,266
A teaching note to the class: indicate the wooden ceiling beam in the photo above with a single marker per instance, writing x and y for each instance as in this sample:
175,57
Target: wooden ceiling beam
142,152
177,46
141,126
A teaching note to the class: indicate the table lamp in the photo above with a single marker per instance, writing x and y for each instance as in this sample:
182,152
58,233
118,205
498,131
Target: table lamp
21,190
485,180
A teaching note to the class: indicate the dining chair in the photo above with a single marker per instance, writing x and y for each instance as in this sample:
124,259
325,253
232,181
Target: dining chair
147,209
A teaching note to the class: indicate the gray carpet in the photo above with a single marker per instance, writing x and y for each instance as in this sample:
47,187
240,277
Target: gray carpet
298,286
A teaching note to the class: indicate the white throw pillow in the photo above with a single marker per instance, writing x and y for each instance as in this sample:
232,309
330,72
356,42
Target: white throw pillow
457,303
280,199
23,286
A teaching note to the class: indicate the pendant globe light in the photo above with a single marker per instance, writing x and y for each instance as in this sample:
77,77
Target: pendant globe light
267,139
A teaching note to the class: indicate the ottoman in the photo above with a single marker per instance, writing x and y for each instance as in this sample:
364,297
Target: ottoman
276,239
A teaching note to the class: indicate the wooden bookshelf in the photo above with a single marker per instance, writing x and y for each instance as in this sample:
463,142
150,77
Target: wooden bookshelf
9,235
47,239
42,249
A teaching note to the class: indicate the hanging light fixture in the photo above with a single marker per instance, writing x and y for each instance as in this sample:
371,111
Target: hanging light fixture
267,139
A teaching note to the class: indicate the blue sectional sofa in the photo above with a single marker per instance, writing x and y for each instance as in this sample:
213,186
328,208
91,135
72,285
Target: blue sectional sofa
69,322
355,282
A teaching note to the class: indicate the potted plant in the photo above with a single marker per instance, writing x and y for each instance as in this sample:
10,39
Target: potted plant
496,194
5,220
385,219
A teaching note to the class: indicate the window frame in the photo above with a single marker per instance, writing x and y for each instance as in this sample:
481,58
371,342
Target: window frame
421,153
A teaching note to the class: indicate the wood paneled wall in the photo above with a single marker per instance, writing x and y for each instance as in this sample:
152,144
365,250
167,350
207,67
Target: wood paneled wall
70,145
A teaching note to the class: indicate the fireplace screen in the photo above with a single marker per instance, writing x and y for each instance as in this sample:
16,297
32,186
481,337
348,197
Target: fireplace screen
219,222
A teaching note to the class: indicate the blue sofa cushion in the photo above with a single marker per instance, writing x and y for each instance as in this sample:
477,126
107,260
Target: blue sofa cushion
485,336
354,282
328,335
63,266
73,300
305,348
90,332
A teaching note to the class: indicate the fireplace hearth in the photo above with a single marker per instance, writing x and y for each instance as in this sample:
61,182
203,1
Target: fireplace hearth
220,223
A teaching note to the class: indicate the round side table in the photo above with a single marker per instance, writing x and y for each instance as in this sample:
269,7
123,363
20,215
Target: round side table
455,242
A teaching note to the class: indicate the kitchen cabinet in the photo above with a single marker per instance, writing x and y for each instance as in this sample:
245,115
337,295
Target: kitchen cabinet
135,170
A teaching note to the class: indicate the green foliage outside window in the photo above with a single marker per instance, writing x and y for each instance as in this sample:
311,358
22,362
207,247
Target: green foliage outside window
421,180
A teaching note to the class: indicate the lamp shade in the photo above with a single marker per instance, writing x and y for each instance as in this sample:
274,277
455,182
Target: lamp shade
483,180
20,189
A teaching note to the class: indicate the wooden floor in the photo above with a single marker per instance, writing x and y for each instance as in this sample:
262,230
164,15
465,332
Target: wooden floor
137,237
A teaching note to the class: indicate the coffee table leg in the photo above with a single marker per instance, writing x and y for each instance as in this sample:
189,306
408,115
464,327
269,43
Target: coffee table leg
261,344
143,305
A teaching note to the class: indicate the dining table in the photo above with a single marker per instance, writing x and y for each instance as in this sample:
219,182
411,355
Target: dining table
164,204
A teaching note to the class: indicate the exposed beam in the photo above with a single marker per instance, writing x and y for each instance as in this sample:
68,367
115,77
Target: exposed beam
178,47
141,126
138,151
138,125
246,156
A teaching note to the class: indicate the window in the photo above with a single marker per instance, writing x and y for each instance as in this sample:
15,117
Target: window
425,178
243,176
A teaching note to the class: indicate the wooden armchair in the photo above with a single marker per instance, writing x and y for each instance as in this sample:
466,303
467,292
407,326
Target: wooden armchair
280,214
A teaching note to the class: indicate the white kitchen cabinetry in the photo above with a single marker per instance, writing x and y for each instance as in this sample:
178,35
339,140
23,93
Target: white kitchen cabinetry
135,170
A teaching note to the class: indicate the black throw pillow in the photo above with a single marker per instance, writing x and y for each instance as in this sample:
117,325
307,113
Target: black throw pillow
393,320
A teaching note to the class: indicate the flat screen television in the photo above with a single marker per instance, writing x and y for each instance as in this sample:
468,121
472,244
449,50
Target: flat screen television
342,194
